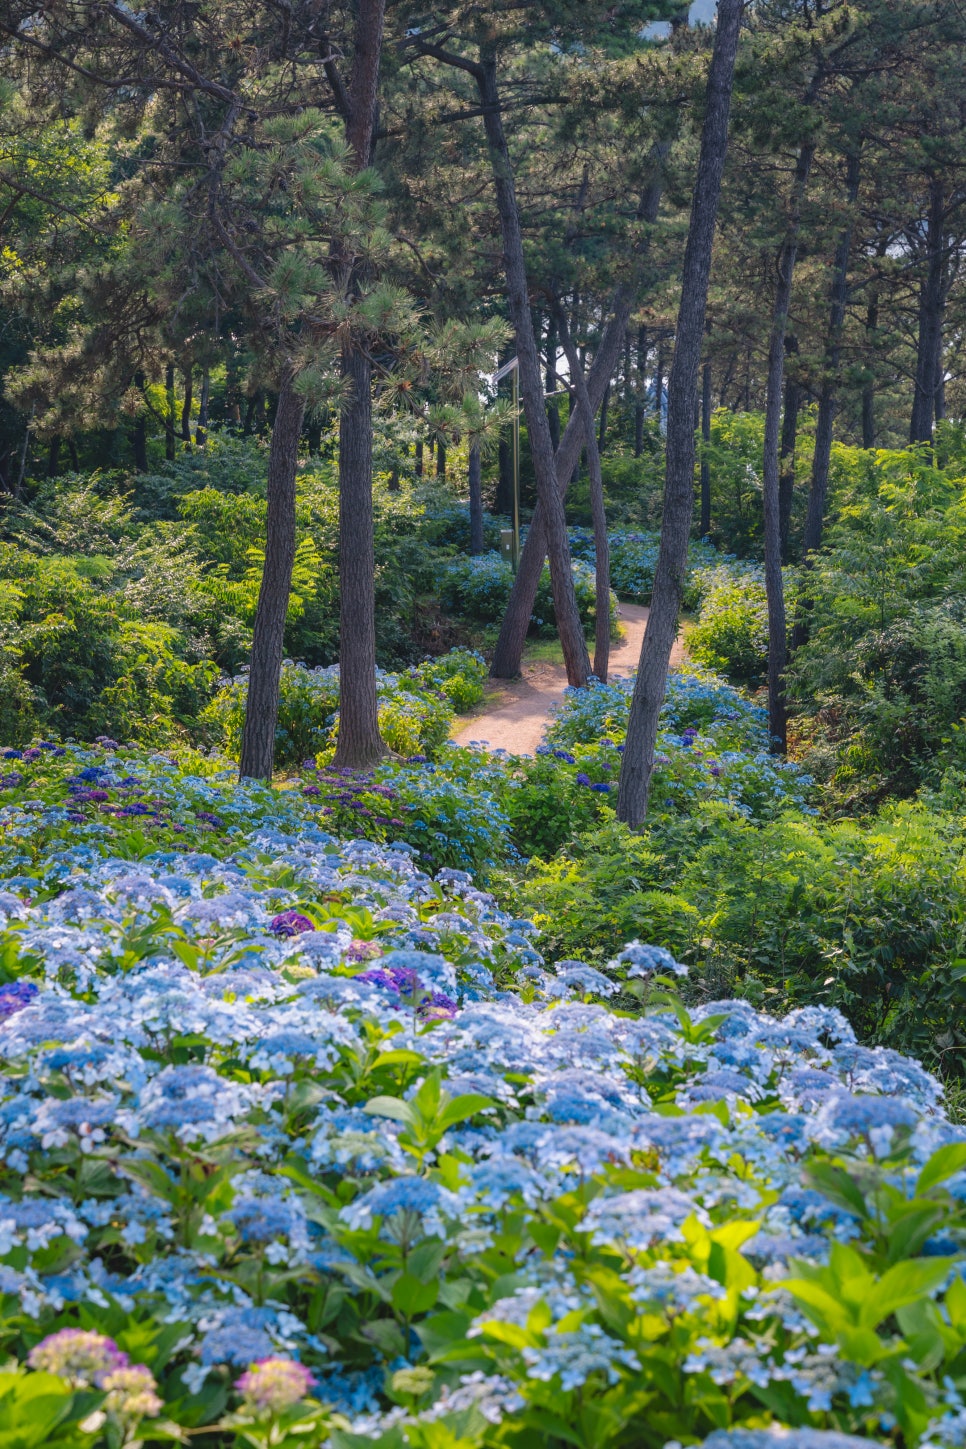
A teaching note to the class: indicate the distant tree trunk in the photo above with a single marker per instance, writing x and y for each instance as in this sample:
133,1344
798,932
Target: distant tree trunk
201,431
659,382
871,331
639,403
704,527
513,630
359,742
313,435
393,484
186,407
476,499
786,453
531,383
254,403
821,458
597,511
419,458
74,455
53,458
170,414
441,460
604,409
930,318
638,763
261,710
771,500
553,405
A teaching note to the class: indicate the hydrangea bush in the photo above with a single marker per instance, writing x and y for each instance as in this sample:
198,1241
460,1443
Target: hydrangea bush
301,1145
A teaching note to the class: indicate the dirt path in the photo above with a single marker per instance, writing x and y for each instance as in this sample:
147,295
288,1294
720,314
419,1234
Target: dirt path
515,712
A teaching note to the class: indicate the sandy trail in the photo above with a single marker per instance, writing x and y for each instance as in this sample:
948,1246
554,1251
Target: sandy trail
515,711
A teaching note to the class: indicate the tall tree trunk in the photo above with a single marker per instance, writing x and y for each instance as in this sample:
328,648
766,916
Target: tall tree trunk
871,347
441,460
638,763
313,435
261,710
659,383
531,383
597,511
639,402
771,502
828,397
786,453
476,499
186,407
513,630
201,431
704,527
170,415
930,318
419,458
254,402
359,742
53,458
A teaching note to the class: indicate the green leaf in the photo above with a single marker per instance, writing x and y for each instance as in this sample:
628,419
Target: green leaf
460,1108
901,1285
411,1295
393,1107
944,1163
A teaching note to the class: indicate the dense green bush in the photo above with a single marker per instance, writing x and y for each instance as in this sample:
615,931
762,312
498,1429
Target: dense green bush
731,632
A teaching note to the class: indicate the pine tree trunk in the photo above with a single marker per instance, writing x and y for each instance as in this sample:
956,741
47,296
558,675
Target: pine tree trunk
930,318
786,453
662,624
597,511
419,458
531,385
513,630
441,460
604,410
53,458
476,499
771,499
659,383
261,710
553,405
359,742
821,458
201,431
704,527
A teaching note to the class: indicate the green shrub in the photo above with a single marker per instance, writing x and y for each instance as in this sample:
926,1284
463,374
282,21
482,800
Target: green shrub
731,633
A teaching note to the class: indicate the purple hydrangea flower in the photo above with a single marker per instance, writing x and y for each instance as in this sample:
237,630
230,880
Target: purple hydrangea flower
290,923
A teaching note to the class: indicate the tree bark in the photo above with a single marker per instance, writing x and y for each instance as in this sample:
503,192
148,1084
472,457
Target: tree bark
604,410
567,614
419,459
704,526
821,458
441,460
930,318
553,405
597,511
201,431
771,501
261,710
638,763
359,742
476,499
139,433
786,454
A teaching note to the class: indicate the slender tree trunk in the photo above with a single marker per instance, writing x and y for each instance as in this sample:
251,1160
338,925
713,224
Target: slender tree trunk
476,499
261,711
531,384
786,453
53,458
313,435
186,407
639,403
871,347
441,460
516,620
254,402
359,743
774,582
201,431
597,511
930,318
74,455
170,413
419,458
821,458
659,383
704,527
662,624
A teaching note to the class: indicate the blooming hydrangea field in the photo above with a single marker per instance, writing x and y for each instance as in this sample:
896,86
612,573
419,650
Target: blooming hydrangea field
303,1146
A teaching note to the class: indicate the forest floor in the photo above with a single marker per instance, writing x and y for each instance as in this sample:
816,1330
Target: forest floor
515,711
